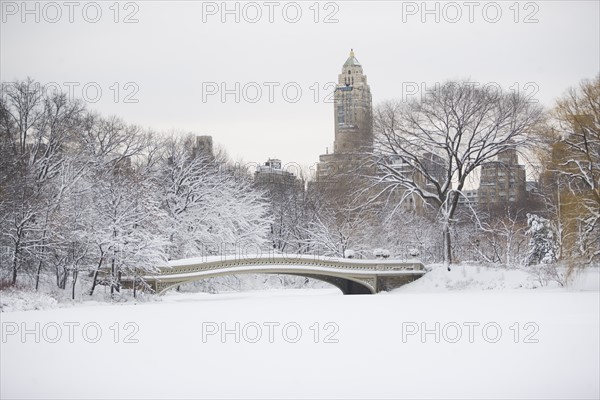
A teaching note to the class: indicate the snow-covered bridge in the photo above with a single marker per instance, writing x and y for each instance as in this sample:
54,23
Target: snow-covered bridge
351,276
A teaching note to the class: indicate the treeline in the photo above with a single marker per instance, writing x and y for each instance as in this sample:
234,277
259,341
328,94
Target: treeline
92,197
559,222
82,193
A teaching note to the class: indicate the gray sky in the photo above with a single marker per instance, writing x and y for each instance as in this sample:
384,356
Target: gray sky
178,54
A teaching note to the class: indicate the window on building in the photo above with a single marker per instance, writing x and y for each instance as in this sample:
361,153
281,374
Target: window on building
341,115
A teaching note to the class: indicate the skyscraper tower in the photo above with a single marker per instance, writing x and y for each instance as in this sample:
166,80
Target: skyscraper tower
353,109
353,122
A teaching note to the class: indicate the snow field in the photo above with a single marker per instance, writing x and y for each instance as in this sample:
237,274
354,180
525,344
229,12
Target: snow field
453,340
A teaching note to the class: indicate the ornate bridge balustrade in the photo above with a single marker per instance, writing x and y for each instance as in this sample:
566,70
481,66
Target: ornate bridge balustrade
351,276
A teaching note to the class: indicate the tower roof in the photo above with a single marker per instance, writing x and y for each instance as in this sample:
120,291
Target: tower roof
351,60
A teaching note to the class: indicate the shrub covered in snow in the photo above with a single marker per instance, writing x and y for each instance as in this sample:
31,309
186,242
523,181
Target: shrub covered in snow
22,300
542,242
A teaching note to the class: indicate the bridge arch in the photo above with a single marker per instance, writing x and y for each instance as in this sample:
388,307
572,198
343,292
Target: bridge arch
346,285
351,276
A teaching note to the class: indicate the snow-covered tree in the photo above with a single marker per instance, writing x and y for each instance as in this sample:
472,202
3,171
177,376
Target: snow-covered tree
430,148
334,231
577,116
36,130
207,203
292,207
542,241
405,234
128,226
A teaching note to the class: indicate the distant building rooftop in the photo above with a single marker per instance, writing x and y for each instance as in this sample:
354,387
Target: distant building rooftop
272,172
351,60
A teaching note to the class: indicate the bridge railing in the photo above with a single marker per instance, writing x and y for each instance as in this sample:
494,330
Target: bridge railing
282,263
245,249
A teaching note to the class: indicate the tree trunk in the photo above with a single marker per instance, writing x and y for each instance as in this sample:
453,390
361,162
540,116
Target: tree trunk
15,263
39,269
75,273
95,281
63,278
112,277
119,275
447,237
447,246
14,275
37,275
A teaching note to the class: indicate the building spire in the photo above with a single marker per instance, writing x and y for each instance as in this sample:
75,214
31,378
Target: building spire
351,59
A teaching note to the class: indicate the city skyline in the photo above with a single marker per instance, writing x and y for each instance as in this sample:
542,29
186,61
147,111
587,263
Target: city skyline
179,73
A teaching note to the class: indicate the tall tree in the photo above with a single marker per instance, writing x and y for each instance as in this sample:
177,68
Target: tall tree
577,162
208,204
430,148
36,130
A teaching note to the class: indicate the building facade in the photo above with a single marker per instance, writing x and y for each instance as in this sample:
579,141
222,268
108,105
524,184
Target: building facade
469,198
272,172
353,121
502,181
203,147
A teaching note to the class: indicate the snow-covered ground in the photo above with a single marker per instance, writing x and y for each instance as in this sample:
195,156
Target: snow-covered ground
473,332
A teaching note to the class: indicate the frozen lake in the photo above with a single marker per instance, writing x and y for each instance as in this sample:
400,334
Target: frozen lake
413,342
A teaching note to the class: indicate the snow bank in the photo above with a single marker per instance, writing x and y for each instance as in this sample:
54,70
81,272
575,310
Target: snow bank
51,297
471,277
461,277
483,277
587,279
20,300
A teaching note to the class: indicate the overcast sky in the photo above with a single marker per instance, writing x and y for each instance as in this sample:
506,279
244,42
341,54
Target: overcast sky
174,59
